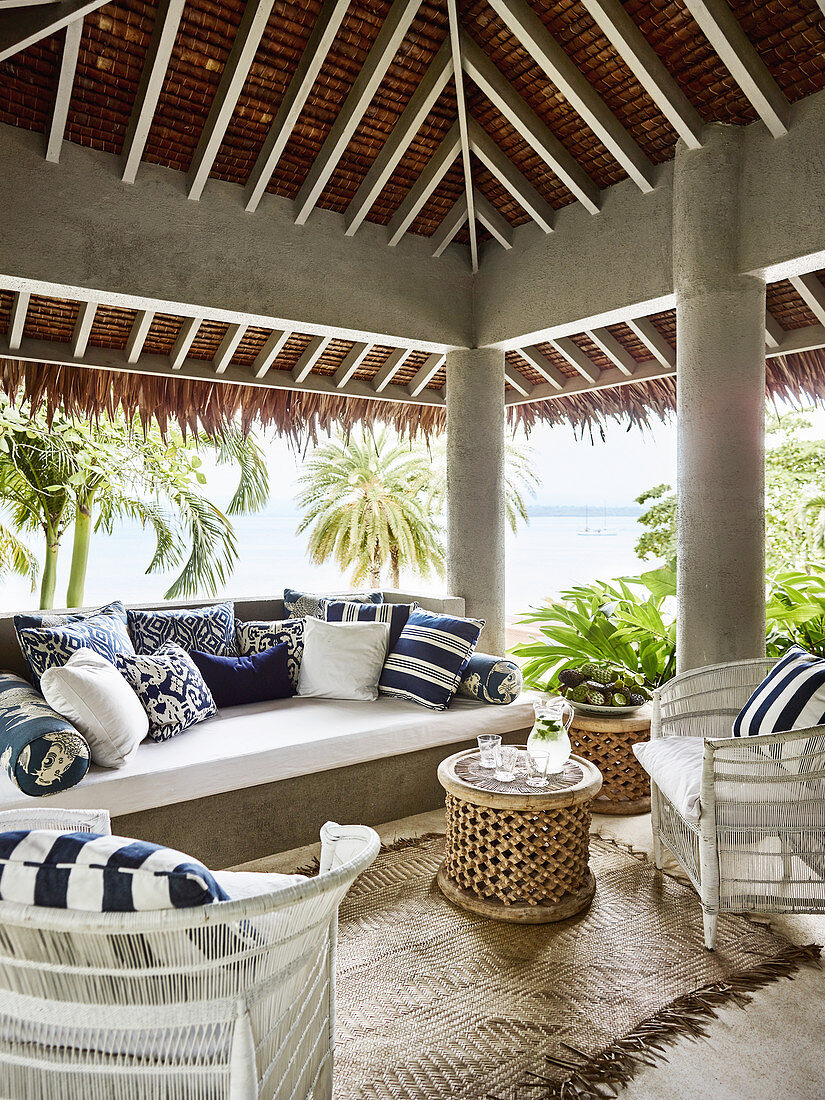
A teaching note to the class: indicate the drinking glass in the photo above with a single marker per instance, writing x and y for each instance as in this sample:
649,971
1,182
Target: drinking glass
488,744
538,760
507,759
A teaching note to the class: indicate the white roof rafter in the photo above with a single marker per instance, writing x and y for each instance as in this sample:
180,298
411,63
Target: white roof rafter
739,56
549,56
607,343
26,25
812,292
378,60
228,347
65,83
17,321
493,221
545,367
436,169
653,340
461,106
83,328
455,218
137,337
309,357
322,36
517,380
774,332
352,361
577,358
184,341
393,364
506,172
270,351
432,364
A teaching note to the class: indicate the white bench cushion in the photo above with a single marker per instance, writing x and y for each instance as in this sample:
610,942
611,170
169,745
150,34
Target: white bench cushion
266,742
675,766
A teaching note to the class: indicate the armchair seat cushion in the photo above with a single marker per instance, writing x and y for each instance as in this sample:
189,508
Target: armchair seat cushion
675,766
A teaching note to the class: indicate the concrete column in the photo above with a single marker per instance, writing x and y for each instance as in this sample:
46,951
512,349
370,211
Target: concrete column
720,325
475,487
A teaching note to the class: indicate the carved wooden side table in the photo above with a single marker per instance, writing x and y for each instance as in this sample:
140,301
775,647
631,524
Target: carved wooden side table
515,852
608,743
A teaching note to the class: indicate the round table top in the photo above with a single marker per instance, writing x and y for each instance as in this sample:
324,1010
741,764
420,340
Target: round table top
620,723
461,776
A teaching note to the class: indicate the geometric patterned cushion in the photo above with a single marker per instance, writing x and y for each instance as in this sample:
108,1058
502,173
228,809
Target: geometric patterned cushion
427,661
254,637
345,611
299,605
41,752
791,697
491,679
100,874
208,629
51,641
171,688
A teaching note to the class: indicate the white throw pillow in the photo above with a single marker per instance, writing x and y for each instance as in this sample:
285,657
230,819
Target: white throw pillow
90,692
342,660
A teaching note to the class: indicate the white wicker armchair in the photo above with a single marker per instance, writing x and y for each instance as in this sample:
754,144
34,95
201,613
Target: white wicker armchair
759,843
232,1001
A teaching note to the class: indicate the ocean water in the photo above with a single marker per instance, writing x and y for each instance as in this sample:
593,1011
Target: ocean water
542,559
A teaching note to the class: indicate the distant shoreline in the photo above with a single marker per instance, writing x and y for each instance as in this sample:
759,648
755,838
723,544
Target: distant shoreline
582,510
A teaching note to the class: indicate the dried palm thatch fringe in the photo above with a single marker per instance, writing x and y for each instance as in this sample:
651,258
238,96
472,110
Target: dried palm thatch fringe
615,1066
213,406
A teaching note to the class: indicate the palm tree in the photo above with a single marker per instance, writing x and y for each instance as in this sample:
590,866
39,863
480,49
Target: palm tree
366,504
15,556
64,472
520,480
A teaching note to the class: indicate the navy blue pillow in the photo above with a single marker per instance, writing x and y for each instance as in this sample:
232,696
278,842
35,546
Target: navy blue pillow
255,678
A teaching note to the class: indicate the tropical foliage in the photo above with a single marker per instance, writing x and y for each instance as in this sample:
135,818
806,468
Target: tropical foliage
70,474
374,504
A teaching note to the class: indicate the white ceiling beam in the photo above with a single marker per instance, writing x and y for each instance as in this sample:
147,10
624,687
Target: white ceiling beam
607,343
549,56
167,21
412,118
352,361
577,358
270,352
184,341
461,106
393,364
227,348
527,124
17,320
653,340
545,367
517,380
137,337
739,56
83,328
65,83
774,333
799,339
312,60
432,364
812,292
25,26
450,225
392,33
436,169
247,39
513,180
309,357
634,49
47,351
494,221
647,371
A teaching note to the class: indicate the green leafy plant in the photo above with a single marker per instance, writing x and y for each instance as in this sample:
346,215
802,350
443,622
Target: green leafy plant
627,623
795,612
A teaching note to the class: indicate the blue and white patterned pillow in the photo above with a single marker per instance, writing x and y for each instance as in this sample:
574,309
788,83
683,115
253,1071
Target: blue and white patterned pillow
48,641
396,614
256,636
171,689
301,604
427,661
207,629
491,679
41,752
100,874
791,697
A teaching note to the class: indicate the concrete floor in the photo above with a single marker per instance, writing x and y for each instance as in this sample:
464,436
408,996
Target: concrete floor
774,1049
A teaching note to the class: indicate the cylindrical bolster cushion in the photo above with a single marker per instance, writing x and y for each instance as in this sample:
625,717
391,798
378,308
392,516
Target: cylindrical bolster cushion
42,752
491,679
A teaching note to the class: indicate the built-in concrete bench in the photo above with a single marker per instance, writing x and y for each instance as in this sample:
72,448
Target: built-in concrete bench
263,778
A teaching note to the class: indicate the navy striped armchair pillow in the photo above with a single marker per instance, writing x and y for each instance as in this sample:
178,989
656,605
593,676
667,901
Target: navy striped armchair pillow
791,697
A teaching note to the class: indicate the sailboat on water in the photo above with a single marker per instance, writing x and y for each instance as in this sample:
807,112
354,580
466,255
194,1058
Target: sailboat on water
588,530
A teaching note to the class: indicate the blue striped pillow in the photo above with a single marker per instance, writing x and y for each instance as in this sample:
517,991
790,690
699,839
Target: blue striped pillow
426,663
396,614
791,697
100,874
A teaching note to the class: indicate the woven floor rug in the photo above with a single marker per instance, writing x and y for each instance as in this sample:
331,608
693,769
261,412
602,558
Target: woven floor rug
435,1002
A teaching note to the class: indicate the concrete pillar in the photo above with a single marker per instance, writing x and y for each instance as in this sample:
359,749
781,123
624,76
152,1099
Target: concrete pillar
475,487
720,325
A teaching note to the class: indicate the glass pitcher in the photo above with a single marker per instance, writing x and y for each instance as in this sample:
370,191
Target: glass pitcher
548,746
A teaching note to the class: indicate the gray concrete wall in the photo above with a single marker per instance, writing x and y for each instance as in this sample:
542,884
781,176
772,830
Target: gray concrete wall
720,412
475,487
75,224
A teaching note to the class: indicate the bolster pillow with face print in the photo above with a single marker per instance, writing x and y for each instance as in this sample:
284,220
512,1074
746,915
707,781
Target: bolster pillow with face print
41,752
